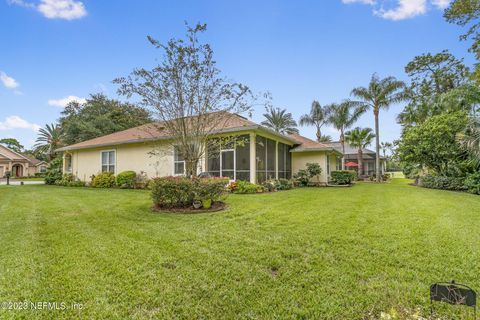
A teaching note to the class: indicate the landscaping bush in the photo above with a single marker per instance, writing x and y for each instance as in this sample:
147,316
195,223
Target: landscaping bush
303,176
54,171
210,188
180,192
276,185
245,187
442,182
69,180
472,183
343,177
126,180
103,180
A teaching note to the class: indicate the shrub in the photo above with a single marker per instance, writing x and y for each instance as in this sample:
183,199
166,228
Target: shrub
442,182
302,177
172,192
180,192
54,171
210,188
472,183
126,179
343,177
245,187
103,180
276,185
69,180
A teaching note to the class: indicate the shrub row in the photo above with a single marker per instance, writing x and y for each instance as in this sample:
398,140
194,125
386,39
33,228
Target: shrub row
470,183
246,187
181,192
343,177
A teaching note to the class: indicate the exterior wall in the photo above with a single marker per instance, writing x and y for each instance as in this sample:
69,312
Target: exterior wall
135,157
300,160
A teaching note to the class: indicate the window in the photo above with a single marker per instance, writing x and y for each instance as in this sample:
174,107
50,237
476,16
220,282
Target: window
284,161
108,161
43,169
230,159
68,163
179,161
328,165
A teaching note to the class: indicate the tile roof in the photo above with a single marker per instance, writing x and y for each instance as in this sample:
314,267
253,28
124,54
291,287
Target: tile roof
6,153
306,144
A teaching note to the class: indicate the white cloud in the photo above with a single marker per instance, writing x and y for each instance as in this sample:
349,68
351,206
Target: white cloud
8,82
402,9
15,122
405,9
441,4
370,2
62,103
56,9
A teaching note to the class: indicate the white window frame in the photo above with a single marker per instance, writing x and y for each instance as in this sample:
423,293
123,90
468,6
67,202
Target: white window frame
108,165
234,162
176,161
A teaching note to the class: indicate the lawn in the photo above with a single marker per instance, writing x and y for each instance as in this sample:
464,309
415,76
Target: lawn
317,253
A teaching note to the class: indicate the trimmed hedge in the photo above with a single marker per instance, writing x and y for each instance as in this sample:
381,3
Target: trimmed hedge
126,179
180,192
69,180
472,183
343,177
103,180
442,182
246,187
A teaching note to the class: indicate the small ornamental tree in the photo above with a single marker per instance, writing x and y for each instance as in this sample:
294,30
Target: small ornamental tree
187,94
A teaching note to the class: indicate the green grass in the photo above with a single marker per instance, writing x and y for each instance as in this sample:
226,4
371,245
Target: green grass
317,253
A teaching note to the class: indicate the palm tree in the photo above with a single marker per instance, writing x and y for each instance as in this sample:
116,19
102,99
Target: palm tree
470,139
380,94
359,138
385,146
325,138
317,117
342,117
280,121
49,139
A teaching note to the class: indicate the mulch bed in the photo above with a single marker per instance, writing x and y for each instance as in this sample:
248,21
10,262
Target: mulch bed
216,206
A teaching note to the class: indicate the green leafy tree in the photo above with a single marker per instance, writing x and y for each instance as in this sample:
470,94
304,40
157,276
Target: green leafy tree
188,94
433,144
380,94
49,139
99,116
325,138
470,139
385,146
465,13
12,144
342,117
279,120
439,83
317,117
360,138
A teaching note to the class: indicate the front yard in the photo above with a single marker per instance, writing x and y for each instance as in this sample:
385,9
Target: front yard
307,253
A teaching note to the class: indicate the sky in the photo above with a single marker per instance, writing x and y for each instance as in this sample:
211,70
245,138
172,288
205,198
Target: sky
55,51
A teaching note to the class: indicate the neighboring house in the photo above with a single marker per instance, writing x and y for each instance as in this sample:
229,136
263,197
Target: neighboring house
263,153
18,164
351,155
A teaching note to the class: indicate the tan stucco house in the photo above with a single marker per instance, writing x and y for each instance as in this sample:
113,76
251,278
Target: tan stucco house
18,164
148,149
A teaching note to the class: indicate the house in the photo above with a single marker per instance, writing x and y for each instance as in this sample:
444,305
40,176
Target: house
263,154
20,165
368,158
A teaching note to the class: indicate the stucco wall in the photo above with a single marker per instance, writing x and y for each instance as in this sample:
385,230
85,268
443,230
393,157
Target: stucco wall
300,160
136,157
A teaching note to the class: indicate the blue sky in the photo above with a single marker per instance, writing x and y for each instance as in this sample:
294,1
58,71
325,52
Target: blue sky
296,50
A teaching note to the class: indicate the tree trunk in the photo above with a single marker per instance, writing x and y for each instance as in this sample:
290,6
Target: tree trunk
319,133
342,141
360,162
191,168
377,147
